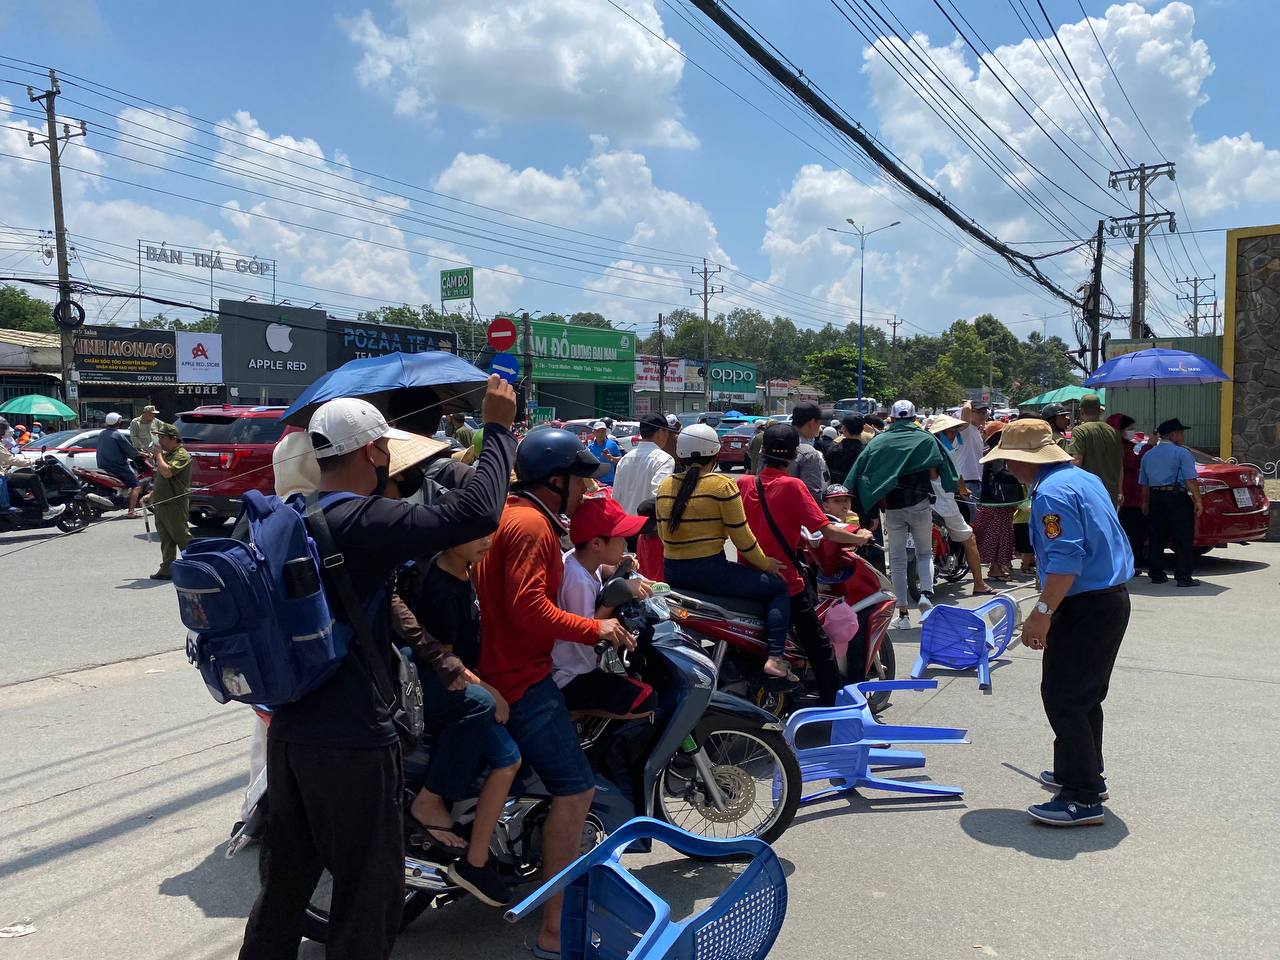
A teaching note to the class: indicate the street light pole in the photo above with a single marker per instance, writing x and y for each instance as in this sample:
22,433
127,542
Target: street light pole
861,233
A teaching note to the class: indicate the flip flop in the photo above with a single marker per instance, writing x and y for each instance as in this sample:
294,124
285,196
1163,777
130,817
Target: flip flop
542,953
983,593
427,840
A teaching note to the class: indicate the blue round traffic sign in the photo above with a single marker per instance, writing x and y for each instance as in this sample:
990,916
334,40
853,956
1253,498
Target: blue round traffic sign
506,366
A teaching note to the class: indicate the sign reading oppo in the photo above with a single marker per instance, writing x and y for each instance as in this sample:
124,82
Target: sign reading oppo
732,379
731,376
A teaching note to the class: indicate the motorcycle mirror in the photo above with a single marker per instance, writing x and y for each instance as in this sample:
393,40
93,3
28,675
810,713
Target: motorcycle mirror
614,593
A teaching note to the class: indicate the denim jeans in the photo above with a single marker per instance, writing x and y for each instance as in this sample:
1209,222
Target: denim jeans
467,737
918,519
717,574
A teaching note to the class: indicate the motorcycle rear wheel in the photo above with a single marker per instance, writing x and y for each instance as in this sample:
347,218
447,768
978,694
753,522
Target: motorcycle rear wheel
884,666
745,761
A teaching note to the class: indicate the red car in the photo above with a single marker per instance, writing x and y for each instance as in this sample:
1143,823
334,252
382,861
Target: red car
733,447
1236,509
230,448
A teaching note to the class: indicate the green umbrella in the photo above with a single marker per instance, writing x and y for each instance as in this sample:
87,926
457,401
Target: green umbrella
38,405
1064,395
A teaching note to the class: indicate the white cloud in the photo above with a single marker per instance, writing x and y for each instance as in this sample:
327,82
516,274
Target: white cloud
152,135
529,61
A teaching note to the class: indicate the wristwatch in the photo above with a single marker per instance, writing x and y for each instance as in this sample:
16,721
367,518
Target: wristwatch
1042,607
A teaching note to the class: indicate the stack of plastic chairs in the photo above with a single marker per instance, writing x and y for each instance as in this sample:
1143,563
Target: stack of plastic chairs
857,744
967,639
609,915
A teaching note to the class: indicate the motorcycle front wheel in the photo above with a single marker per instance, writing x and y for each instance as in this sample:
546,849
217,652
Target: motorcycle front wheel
758,778
75,518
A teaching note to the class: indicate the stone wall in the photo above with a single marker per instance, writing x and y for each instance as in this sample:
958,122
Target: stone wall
1255,415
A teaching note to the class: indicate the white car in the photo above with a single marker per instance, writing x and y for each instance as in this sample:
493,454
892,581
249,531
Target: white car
627,433
75,448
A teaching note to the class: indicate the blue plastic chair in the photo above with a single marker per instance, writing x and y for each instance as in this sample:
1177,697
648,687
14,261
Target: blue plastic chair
966,639
608,914
855,744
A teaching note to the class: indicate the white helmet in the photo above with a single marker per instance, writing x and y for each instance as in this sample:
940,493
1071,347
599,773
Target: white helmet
698,440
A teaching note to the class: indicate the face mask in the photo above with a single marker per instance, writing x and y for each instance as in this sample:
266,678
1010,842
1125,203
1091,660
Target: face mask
1131,434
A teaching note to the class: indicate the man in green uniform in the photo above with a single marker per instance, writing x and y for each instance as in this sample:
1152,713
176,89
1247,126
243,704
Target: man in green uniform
169,498
1098,447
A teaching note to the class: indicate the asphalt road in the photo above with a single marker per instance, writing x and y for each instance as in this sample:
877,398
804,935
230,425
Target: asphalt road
121,778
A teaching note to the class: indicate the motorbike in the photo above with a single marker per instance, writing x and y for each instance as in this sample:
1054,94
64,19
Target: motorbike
61,488
106,492
732,631
708,761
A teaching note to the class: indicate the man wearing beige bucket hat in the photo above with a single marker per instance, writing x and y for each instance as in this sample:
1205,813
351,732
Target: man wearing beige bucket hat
1079,621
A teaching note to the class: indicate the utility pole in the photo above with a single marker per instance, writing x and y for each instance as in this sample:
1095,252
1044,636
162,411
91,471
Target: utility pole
1197,299
893,349
67,315
1093,300
526,333
706,273
1139,177
662,370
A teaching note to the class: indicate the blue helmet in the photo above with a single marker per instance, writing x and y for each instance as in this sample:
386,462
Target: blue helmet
544,454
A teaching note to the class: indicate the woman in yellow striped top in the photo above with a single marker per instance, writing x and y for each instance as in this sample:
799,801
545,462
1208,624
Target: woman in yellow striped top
697,510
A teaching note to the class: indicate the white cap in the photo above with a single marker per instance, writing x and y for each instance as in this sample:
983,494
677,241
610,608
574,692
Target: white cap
112,418
699,440
599,425
835,422
904,410
829,432
673,421
347,424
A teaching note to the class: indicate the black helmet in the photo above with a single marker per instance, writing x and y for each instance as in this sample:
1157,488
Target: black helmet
1051,410
543,454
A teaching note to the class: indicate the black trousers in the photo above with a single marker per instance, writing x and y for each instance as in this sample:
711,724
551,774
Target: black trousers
31,483
817,647
339,809
1171,519
1084,638
1134,523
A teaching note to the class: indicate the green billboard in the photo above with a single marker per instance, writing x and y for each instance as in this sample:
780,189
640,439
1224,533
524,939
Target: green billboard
572,354
457,284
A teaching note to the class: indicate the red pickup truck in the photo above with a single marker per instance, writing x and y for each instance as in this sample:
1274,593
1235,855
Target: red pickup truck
230,448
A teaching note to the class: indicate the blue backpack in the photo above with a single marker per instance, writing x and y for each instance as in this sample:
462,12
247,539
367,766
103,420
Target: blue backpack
260,628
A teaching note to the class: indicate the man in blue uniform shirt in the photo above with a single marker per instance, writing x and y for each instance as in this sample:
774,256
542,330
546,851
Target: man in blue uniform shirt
1171,500
1084,562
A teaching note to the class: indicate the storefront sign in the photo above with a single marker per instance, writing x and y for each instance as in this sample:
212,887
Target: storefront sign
204,259
539,415
457,284
733,380
349,340
266,344
213,392
199,357
125,355
568,353
647,373
614,400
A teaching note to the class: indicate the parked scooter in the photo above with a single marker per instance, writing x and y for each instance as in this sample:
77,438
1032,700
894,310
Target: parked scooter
732,630
61,488
105,492
707,761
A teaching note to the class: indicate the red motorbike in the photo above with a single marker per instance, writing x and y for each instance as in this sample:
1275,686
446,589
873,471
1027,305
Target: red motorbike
855,600
105,492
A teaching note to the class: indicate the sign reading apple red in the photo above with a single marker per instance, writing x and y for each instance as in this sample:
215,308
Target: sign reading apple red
502,333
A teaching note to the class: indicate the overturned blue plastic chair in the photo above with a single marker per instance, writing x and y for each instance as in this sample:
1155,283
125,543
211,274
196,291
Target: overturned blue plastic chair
857,744
609,915
966,638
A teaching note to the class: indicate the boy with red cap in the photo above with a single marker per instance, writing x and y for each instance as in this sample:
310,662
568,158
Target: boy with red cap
599,531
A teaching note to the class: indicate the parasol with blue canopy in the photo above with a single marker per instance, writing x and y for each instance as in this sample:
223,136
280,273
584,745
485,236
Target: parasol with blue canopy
411,389
1154,368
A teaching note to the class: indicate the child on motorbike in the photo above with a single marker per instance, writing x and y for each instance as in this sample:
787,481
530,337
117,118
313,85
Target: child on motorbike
599,531
466,715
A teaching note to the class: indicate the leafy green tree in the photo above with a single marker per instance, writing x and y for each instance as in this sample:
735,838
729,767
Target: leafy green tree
209,323
587,319
967,359
21,311
835,372
933,389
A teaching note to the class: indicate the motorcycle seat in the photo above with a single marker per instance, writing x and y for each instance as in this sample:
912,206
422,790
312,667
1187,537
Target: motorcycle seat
751,608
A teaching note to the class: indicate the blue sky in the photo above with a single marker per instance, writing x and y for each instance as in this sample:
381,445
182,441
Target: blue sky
568,112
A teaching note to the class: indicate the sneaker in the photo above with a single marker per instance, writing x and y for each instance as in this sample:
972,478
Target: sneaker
902,622
53,512
483,883
926,603
1190,582
1068,813
1047,778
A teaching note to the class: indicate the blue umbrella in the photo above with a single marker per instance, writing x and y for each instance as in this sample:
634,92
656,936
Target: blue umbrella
1150,368
411,388
1153,367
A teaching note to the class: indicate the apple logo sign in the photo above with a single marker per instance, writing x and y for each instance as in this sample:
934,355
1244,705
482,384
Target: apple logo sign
279,337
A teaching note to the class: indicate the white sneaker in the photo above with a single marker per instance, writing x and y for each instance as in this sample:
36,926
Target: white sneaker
925,604
903,622
53,512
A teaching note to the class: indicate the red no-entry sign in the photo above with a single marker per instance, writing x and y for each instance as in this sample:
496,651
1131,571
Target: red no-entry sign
502,333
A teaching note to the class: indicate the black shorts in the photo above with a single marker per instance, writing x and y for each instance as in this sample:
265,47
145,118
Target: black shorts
605,692
124,474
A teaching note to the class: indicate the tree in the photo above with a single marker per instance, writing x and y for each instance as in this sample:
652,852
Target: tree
967,359
835,372
933,389
21,311
209,323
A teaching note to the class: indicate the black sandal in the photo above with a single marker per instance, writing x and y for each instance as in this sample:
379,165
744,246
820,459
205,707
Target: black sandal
420,834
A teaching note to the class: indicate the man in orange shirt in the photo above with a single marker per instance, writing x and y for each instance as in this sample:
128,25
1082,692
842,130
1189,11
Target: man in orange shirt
517,584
